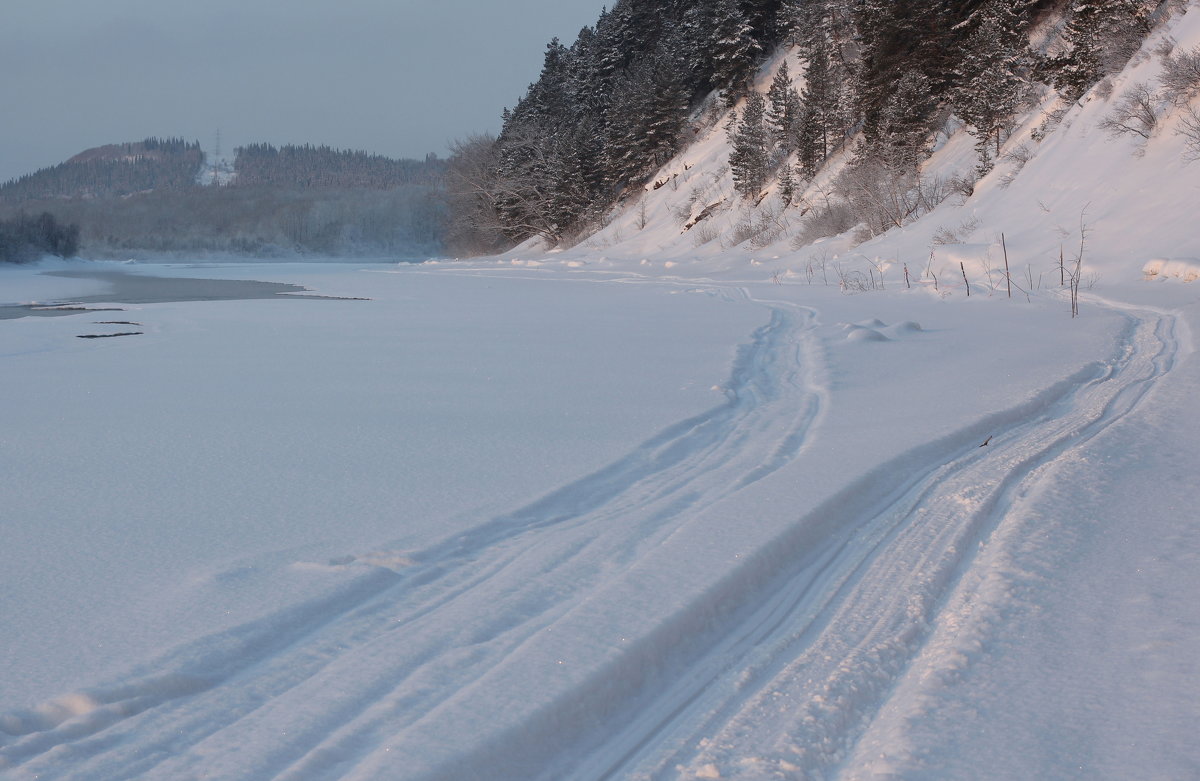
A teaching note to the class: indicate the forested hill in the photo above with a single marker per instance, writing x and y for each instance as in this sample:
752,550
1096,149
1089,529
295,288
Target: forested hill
880,77
322,166
113,170
147,198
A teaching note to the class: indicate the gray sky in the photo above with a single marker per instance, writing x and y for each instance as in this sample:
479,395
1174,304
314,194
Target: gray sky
395,77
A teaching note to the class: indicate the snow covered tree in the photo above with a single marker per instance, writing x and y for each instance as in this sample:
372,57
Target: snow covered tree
991,79
900,135
787,184
649,105
727,41
823,115
783,111
749,160
1100,38
810,150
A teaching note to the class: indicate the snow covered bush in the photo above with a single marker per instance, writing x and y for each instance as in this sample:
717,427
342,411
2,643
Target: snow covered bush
831,219
1181,76
883,197
1189,128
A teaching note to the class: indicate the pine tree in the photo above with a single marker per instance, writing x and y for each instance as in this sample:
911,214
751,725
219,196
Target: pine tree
810,153
901,134
787,185
821,96
649,105
783,111
750,157
992,77
722,35
1079,67
1100,37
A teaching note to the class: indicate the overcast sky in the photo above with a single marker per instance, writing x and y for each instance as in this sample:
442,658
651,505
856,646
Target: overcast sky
395,77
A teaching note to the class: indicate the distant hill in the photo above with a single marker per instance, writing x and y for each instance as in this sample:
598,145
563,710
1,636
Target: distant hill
162,196
322,166
113,170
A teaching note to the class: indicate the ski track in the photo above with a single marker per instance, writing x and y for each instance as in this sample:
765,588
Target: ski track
798,680
337,660
811,636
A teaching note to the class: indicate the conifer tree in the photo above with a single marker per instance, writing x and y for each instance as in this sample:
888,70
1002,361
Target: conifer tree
821,97
783,111
900,136
991,77
809,151
750,157
1101,35
787,184
728,41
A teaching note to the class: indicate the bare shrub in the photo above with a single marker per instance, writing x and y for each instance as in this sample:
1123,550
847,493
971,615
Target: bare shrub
955,235
773,224
1017,158
1189,128
705,232
1020,154
817,264
858,280
682,213
962,184
1051,121
1180,78
883,197
1134,113
640,215
834,218
748,226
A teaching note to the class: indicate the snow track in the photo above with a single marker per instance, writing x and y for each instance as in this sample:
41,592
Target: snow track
812,666
567,639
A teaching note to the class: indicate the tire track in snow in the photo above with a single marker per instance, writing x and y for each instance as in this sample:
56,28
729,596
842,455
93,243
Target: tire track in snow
527,568
794,681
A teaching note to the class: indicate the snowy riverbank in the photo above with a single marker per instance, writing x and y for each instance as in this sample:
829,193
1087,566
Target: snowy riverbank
519,521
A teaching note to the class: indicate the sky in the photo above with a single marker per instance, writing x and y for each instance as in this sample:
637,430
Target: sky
395,77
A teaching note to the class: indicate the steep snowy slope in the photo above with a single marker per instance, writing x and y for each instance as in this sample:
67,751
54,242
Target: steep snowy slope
1133,197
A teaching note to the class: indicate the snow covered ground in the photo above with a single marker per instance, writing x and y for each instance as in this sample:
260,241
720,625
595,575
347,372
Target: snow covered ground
521,521
653,507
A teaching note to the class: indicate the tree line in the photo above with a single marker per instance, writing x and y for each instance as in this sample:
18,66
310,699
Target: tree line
26,238
259,165
404,222
125,199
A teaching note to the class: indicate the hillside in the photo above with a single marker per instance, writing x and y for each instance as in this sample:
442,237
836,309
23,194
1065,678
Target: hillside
1061,179
112,171
162,197
1065,160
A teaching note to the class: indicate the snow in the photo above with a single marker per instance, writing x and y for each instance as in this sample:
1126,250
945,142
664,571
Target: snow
643,508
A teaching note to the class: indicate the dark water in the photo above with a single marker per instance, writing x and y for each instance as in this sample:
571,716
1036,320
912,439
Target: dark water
141,289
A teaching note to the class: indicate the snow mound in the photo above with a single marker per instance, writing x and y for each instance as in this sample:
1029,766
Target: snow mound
906,327
1184,269
862,334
